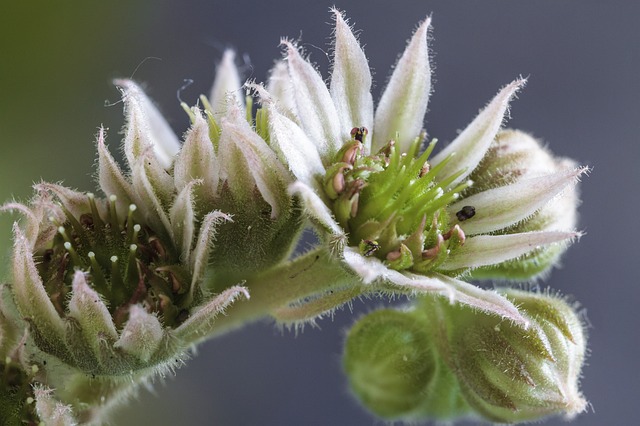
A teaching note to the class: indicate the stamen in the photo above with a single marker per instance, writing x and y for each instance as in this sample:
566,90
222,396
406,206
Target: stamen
113,216
130,225
74,255
131,272
99,280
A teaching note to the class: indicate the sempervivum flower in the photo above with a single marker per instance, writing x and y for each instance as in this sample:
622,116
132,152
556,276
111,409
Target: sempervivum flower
395,214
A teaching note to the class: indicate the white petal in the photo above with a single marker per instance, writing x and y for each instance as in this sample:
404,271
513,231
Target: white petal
31,297
485,300
202,322
147,200
317,210
200,255
183,220
246,159
504,206
281,90
197,160
92,314
314,105
141,335
146,126
350,85
404,101
227,86
111,178
75,202
471,145
486,250
371,269
291,143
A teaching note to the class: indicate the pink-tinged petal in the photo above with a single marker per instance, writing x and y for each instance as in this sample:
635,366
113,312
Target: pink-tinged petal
507,205
314,105
404,102
197,160
77,203
202,322
88,308
182,217
141,335
317,210
350,85
47,407
471,145
246,160
227,86
486,250
200,255
291,143
146,126
281,90
31,297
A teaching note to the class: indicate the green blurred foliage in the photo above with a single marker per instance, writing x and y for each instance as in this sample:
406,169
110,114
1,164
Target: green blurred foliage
56,62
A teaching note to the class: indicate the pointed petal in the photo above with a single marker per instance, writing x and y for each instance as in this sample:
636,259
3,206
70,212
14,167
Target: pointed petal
32,227
111,178
504,206
404,101
55,412
291,143
492,249
183,221
75,202
141,335
471,145
146,126
280,87
202,322
88,308
246,159
314,105
317,210
227,86
30,295
206,236
350,85
485,300
148,202
371,269
197,159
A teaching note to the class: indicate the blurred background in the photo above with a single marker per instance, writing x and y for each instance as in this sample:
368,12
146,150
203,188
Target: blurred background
57,60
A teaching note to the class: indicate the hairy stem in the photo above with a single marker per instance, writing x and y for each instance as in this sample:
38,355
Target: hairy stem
313,273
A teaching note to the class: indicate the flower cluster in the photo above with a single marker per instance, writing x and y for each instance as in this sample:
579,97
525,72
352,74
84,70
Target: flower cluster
114,289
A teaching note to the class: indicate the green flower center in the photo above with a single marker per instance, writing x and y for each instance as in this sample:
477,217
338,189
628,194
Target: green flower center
127,263
391,204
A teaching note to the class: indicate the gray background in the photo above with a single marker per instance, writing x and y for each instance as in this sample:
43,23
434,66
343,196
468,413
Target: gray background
583,58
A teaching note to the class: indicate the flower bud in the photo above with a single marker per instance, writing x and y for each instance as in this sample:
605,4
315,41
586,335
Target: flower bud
390,363
517,159
507,373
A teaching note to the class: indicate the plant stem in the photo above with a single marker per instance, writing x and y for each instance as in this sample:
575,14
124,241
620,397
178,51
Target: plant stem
313,273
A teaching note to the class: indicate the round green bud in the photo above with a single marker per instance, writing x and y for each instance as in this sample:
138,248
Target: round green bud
390,362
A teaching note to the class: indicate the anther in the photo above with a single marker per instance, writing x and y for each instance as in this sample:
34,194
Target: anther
72,252
432,253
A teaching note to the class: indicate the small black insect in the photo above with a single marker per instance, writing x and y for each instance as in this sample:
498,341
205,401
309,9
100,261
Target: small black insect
370,247
358,133
467,212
